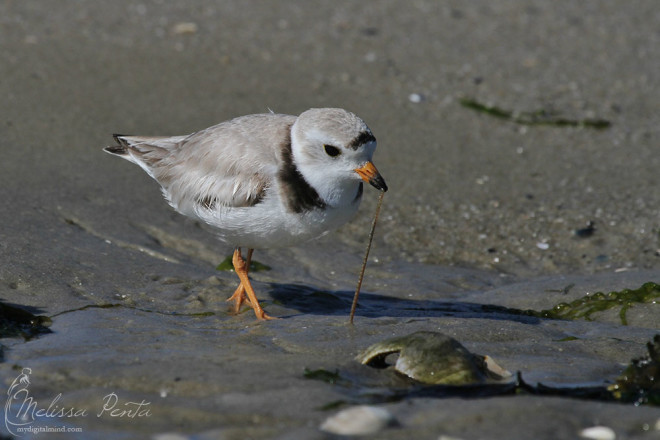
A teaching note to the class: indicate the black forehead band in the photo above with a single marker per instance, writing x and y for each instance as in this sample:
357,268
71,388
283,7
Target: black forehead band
361,139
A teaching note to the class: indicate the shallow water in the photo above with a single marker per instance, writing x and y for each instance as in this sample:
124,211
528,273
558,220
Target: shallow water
171,343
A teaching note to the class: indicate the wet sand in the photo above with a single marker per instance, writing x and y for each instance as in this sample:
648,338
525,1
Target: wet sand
481,210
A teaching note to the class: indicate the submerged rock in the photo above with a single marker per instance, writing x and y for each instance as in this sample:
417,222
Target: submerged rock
433,358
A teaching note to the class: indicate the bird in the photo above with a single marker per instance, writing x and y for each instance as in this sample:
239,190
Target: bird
264,180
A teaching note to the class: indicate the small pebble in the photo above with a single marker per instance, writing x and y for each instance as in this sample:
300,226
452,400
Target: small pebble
415,98
598,433
170,436
358,420
185,28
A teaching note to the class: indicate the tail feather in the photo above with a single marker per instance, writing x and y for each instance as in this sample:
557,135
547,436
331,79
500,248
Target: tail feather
121,149
145,151
119,138
116,149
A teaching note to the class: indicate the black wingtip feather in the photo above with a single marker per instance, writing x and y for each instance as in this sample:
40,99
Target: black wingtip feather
121,148
119,140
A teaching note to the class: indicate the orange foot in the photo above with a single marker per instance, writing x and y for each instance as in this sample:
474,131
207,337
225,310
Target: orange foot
239,298
244,292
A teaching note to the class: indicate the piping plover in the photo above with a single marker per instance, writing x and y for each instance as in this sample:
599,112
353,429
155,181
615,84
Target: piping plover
263,181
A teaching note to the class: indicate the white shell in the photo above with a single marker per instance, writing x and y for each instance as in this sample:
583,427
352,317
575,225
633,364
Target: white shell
358,420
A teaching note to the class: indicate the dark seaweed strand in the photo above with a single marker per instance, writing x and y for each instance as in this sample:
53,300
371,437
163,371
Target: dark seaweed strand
361,139
534,118
298,193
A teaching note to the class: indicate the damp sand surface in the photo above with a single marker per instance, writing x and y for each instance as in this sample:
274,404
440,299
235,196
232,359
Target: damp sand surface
486,216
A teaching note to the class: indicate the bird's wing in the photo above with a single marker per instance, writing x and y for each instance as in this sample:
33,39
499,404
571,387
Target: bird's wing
230,164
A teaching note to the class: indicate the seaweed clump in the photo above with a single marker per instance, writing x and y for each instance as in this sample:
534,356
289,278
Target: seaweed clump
640,381
15,321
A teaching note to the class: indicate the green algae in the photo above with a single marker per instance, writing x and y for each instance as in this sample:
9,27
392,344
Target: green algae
640,381
227,266
322,375
588,305
539,117
568,338
336,404
585,307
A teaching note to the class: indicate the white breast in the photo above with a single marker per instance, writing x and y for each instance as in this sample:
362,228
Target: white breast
269,224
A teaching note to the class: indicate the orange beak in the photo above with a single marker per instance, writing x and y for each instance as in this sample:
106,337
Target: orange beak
369,173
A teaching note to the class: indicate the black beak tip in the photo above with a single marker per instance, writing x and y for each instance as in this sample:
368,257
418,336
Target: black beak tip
379,183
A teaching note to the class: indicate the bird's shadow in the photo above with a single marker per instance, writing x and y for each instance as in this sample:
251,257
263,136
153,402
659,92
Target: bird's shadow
308,300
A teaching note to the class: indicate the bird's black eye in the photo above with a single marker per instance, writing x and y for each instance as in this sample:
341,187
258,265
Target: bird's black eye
332,151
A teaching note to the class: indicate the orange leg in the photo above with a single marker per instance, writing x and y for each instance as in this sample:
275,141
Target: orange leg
239,296
245,287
